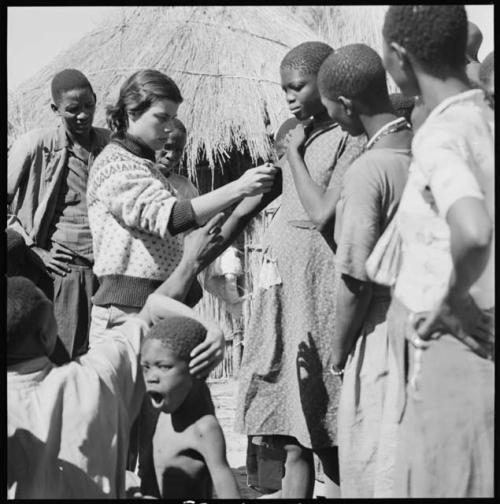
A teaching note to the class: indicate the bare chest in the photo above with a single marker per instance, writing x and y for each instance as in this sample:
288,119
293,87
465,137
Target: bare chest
179,467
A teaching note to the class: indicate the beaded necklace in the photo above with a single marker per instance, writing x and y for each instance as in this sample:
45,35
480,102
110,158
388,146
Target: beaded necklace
391,127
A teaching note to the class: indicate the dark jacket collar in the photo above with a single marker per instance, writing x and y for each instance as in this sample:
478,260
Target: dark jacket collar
135,146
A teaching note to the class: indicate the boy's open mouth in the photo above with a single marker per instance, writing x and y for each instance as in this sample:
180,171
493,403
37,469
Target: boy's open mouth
156,398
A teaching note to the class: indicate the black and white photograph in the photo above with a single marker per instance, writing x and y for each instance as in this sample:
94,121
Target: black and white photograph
250,252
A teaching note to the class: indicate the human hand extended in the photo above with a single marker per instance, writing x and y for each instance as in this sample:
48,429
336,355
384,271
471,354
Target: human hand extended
455,316
199,242
256,180
55,260
206,356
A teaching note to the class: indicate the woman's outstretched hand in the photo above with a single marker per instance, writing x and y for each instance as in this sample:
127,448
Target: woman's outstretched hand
257,180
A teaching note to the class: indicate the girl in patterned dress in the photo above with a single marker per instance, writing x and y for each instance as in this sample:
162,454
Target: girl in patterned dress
286,393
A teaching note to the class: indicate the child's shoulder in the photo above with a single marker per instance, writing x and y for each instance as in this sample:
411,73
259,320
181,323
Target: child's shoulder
206,424
208,434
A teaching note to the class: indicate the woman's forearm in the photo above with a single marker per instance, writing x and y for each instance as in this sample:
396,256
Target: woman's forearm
254,181
353,299
207,205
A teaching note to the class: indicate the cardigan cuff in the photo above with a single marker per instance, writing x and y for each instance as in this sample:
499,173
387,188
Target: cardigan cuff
182,217
124,290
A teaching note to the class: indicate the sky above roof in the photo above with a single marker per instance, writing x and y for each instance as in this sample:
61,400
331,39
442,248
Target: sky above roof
36,35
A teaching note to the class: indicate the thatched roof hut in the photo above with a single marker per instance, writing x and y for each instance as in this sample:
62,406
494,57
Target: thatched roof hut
224,59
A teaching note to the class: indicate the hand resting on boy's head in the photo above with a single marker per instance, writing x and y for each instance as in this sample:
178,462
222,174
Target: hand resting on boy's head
197,244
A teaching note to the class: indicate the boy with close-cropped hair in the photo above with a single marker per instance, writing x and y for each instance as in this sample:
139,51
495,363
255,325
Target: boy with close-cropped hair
182,448
353,87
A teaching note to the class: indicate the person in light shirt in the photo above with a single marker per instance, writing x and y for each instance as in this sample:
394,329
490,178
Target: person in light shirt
68,426
443,305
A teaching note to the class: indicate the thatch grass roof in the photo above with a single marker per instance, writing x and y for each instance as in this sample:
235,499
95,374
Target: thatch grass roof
340,25
224,59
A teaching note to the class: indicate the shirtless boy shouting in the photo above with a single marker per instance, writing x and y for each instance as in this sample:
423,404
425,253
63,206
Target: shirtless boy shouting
183,454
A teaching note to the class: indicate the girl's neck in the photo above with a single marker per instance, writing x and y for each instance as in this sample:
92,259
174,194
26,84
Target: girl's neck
373,123
396,140
320,118
434,90
191,409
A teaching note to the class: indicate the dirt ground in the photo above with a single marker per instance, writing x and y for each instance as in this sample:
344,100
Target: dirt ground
224,398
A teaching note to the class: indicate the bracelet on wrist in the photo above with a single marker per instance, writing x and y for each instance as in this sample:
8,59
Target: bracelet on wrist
336,372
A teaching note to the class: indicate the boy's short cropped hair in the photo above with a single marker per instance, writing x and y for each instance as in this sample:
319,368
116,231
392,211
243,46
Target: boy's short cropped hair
66,80
436,35
179,334
354,71
24,304
306,57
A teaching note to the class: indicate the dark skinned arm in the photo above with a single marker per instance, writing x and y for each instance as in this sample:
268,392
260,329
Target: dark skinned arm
212,446
244,212
353,300
319,203
165,301
470,238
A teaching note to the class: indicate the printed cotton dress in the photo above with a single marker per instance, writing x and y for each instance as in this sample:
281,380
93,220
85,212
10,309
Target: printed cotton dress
285,385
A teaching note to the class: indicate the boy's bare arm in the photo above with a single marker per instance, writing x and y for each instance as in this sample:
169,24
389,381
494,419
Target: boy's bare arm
211,445
177,285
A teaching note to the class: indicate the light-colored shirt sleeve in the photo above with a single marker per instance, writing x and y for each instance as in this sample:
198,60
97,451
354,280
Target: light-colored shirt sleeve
359,219
444,163
115,358
19,159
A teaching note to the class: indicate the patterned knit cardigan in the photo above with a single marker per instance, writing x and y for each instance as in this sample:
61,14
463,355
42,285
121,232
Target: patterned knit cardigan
129,206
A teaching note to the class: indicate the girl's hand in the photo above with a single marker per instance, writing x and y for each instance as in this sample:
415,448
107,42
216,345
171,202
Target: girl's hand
206,356
297,138
256,180
454,316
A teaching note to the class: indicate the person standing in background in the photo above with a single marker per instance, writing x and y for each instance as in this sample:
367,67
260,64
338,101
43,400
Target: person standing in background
48,171
442,313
